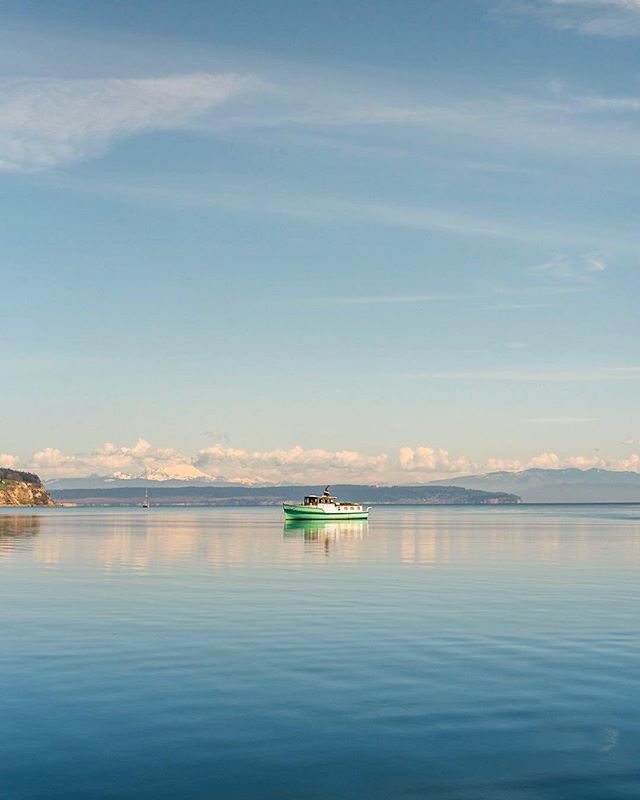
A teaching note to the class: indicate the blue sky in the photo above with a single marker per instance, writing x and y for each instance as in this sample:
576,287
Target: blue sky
353,240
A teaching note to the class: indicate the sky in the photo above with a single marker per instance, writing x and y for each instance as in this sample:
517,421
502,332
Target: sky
343,241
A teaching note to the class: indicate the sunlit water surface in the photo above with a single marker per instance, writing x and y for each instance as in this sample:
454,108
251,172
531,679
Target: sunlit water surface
213,653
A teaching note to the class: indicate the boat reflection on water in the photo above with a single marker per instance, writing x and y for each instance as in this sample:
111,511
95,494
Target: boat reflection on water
323,533
312,530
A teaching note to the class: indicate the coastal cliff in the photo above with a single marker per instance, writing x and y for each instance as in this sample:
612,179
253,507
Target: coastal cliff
22,489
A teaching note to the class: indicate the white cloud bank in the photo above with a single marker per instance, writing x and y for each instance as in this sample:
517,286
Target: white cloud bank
45,122
424,461
121,462
294,465
215,462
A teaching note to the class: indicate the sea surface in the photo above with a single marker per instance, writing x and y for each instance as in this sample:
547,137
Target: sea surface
435,652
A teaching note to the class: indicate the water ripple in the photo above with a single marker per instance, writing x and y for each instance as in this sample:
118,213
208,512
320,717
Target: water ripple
436,653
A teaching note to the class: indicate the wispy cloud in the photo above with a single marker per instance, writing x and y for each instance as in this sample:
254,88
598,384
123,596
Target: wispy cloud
392,299
609,18
513,306
569,269
595,262
561,420
46,122
340,211
603,375
389,123
329,210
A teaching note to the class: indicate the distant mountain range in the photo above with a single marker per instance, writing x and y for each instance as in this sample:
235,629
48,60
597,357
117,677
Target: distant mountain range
192,494
531,486
558,485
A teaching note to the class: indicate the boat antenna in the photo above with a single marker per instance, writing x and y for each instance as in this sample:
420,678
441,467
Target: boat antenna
326,491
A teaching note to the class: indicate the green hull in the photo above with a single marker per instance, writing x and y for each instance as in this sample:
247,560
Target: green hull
307,512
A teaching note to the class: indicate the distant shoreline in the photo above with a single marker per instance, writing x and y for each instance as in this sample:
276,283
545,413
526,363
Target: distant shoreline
166,505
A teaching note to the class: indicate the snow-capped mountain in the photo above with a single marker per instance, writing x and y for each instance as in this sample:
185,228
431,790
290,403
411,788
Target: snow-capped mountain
176,472
170,475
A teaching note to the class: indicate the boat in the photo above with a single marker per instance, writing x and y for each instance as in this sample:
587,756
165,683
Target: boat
145,502
323,507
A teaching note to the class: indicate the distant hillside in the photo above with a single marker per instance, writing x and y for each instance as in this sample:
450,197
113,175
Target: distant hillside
274,495
558,485
22,489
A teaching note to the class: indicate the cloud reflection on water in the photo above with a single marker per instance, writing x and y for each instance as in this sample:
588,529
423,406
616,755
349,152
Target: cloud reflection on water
209,540
14,530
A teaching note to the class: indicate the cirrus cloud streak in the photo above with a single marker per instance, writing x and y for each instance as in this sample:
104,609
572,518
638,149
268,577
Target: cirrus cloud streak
46,122
607,18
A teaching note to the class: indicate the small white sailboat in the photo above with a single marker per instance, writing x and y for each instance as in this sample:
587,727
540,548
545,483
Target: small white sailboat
145,502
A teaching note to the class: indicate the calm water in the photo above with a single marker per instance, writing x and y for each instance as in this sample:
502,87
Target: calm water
211,653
